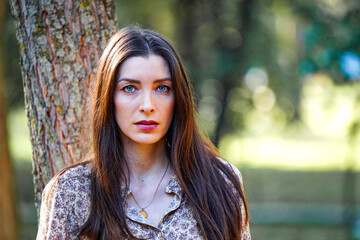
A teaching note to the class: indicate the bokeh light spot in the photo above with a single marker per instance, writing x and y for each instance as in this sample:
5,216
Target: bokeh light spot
350,65
255,78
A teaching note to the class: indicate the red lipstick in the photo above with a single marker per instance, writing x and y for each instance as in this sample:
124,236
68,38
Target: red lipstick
147,125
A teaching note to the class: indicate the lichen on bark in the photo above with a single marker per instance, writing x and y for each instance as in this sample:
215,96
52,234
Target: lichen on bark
60,42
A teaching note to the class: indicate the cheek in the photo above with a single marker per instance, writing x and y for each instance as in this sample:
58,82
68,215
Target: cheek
121,106
165,108
170,108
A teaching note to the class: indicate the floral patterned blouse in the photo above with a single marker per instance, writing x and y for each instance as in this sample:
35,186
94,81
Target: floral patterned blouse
66,205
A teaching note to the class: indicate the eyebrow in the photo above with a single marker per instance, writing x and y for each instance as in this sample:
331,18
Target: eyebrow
137,81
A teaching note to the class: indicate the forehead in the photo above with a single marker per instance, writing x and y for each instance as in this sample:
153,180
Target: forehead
140,67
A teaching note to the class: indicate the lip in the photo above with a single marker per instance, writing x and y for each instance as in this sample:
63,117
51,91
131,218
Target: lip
147,125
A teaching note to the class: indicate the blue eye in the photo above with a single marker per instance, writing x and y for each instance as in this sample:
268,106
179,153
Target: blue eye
163,88
129,88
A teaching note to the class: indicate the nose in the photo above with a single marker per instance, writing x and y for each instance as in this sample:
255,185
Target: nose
147,103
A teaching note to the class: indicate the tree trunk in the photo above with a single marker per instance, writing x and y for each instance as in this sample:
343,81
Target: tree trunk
8,215
60,43
229,81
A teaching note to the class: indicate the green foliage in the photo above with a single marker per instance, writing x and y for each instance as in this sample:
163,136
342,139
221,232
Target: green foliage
329,29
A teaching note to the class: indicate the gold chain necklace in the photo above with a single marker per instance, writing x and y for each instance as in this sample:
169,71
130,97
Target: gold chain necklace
143,212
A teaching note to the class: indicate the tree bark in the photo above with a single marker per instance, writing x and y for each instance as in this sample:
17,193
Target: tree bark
60,43
8,217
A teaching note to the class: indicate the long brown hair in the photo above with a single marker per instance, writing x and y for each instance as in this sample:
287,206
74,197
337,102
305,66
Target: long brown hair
216,206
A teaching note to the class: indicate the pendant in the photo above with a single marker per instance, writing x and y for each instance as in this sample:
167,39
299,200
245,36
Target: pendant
142,212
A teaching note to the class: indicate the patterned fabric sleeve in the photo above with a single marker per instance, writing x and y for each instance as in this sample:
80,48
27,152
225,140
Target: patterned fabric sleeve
246,233
53,213
246,228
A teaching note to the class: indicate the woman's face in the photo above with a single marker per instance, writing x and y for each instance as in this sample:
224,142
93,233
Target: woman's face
144,99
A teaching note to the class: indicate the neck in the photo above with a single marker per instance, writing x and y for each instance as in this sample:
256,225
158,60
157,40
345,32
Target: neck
145,159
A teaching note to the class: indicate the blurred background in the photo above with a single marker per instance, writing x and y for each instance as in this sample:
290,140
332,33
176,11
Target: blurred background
277,89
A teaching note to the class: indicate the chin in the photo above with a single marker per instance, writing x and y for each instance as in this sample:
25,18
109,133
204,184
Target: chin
147,140
142,138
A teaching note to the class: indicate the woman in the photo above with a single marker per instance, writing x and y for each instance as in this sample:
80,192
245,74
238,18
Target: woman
152,175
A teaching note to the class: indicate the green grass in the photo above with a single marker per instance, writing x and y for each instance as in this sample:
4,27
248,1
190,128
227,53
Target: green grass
287,154
301,205
299,232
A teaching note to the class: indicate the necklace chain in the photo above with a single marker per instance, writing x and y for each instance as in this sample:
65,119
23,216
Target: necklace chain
143,212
